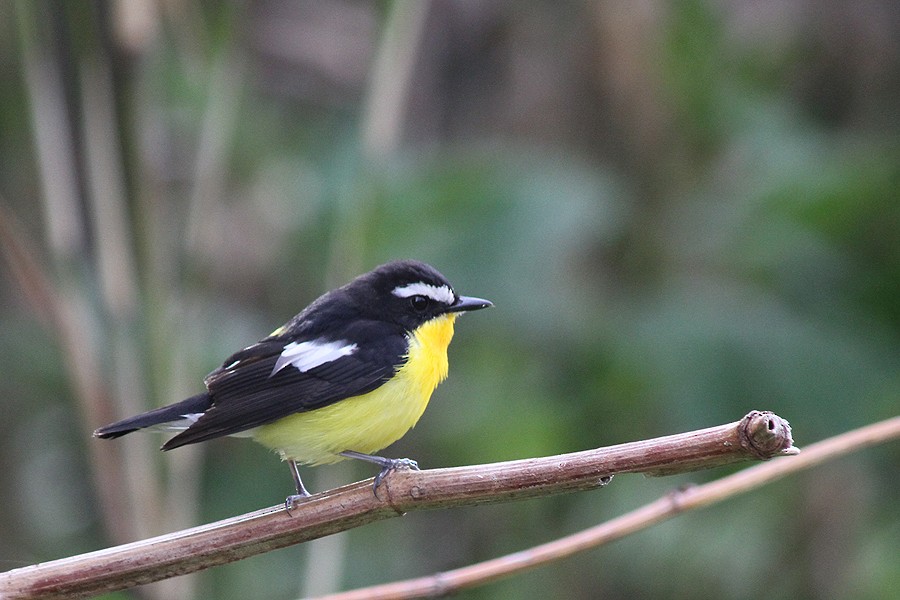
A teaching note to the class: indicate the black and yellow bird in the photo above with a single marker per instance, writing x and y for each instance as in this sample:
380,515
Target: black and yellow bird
346,377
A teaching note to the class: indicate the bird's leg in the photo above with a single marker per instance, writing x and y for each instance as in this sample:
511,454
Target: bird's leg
301,490
387,464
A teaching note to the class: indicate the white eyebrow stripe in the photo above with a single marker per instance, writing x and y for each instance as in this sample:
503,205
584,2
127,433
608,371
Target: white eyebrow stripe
309,355
441,294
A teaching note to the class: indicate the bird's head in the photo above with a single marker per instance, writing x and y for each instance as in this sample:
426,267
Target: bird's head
408,293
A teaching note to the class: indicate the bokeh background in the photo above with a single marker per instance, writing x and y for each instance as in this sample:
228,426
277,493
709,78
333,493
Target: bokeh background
682,210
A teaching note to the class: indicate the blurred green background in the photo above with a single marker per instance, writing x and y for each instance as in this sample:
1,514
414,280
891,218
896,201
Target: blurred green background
682,210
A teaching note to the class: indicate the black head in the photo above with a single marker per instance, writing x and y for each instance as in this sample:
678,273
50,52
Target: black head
408,293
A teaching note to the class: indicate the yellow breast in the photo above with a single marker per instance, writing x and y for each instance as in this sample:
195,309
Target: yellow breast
372,421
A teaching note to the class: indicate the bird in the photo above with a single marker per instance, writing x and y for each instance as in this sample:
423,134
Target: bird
346,377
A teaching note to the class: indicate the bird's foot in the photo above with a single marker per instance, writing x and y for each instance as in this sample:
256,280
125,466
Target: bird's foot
392,464
294,499
387,465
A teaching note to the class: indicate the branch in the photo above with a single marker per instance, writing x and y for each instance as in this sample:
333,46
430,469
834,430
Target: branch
61,308
663,509
759,435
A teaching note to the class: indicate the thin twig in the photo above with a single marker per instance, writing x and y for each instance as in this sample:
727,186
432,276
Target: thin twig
759,435
61,308
665,508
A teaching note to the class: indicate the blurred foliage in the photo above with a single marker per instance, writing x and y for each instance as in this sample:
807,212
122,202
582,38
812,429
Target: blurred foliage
682,211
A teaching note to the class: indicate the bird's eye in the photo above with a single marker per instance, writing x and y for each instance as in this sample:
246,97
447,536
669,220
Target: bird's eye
419,303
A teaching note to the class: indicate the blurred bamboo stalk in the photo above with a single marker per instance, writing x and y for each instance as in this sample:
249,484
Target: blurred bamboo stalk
381,126
388,93
118,280
53,142
220,118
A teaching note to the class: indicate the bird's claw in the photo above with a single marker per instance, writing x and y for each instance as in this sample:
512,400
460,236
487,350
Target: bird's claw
293,500
392,465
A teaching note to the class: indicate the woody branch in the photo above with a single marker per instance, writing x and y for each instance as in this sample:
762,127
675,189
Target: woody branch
759,435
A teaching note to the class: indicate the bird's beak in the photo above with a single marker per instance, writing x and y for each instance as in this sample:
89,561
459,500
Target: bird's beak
465,303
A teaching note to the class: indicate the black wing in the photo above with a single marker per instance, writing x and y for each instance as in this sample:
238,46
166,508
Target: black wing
245,394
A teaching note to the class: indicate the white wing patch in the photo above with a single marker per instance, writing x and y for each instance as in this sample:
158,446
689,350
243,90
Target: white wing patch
309,355
441,294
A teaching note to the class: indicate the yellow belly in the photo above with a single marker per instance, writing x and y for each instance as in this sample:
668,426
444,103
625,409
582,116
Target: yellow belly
372,421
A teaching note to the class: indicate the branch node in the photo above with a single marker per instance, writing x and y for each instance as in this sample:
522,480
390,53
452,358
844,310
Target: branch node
676,497
764,434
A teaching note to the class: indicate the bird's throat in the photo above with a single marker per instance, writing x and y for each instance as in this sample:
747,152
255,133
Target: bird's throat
427,358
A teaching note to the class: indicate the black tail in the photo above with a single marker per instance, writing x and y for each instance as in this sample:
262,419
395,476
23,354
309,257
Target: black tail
166,414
